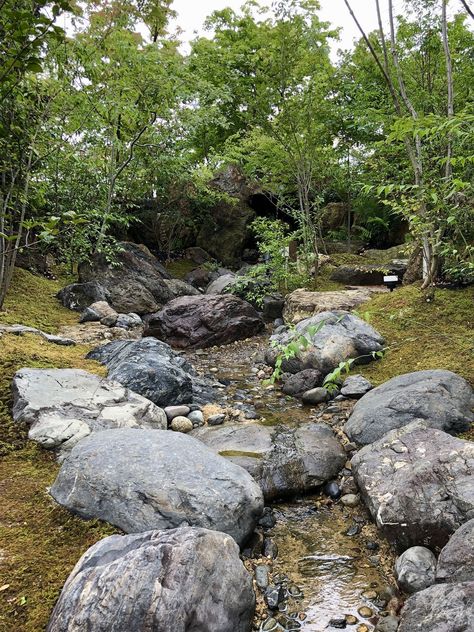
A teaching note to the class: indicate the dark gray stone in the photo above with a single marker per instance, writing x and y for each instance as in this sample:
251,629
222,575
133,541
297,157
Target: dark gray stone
203,321
315,396
184,580
415,569
456,560
441,399
135,284
273,307
299,383
284,460
154,370
140,480
417,483
355,386
62,406
442,608
343,336
78,296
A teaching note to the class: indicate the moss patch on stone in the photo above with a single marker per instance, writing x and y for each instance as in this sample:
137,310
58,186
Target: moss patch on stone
421,335
40,542
180,268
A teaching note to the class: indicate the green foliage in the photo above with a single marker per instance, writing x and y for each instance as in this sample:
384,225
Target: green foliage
297,342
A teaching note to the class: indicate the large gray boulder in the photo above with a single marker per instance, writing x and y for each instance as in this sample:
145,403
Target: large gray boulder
78,296
456,560
62,406
284,460
135,283
203,321
443,608
150,367
343,336
415,569
417,483
140,480
185,580
442,399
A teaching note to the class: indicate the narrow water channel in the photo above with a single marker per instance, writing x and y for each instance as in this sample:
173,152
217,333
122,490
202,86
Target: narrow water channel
330,554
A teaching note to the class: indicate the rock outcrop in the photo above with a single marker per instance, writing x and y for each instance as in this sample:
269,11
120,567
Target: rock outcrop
441,399
152,369
417,483
203,321
184,580
342,336
63,406
139,480
284,460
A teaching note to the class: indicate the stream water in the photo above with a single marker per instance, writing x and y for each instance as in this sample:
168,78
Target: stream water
331,553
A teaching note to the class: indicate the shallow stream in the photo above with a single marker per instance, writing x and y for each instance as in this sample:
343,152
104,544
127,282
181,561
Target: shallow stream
331,553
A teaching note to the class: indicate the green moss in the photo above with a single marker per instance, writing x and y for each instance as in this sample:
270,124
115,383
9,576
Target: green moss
180,268
242,453
32,301
40,541
421,335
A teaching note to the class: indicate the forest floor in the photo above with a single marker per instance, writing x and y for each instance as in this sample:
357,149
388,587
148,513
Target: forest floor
40,542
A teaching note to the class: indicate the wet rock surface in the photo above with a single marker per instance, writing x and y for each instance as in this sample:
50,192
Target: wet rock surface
284,460
204,321
62,406
441,399
442,608
417,483
154,370
182,579
141,480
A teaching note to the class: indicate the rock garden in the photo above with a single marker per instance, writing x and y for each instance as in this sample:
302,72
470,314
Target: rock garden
232,473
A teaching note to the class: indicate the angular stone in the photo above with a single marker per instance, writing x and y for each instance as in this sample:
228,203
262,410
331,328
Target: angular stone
184,580
203,321
140,480
154,370
135,284
284,460
299,383
440,398
417,483
456,560
62,406
355,386
442,608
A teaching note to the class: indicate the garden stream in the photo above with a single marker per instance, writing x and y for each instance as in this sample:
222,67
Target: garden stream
334,569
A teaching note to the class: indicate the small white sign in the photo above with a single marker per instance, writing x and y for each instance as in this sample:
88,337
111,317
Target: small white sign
390,279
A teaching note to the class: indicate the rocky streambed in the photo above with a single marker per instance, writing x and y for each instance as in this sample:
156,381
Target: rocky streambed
327,566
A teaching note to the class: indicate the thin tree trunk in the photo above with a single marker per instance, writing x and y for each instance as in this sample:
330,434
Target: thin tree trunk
449,79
